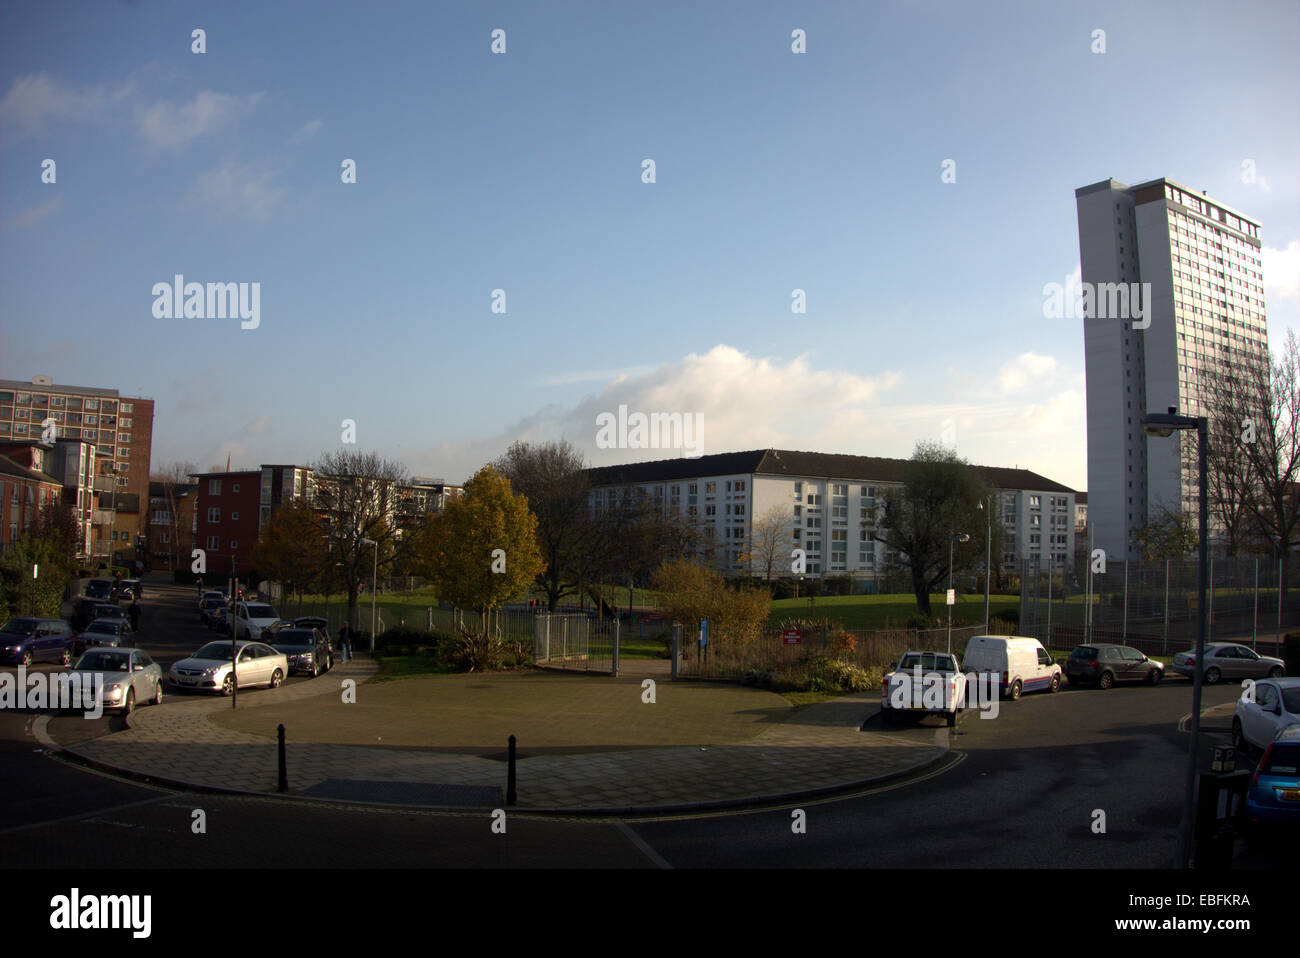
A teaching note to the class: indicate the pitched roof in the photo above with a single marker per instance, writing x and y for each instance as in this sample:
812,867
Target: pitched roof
793,463
11,468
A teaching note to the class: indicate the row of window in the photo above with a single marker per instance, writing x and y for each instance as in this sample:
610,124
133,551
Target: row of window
44,400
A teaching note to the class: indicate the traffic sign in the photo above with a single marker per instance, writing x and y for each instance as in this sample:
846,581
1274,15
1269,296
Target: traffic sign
792,637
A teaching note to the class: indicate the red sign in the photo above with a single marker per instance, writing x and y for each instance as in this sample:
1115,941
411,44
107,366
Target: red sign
792,636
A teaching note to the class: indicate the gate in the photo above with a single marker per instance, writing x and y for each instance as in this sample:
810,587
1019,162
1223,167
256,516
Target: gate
577,642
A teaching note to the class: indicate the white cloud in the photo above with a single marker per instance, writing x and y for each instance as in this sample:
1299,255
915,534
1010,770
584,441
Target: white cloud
38,97
237,190
1281,272
259,427
308,130
1024,370
171,125
34,214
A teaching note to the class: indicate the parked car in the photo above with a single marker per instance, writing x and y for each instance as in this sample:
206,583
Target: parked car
219,619
1023,663
211,594
312,622
1258,717
941,689
130,676
1228,660
1274,792
84,612
308,650
209,668
1103,664
25,639
99,589
103,633
114,613
135,587
252,617
121,590
209,608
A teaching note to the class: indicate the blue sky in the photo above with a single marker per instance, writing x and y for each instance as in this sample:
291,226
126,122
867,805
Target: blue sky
522,172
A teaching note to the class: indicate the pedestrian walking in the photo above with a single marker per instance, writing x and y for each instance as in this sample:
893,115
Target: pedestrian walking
134,613
345,643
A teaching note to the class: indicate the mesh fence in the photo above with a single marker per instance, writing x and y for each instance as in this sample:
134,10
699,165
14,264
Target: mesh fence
1153,606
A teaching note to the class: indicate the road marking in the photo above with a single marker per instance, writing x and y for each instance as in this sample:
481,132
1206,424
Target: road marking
89,814
640,843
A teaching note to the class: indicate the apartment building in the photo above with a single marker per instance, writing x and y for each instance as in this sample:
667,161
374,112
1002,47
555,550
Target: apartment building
121,429
833,504
1205,313
227,518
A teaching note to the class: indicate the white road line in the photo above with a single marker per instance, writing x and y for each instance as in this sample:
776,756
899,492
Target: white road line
640,843
86,815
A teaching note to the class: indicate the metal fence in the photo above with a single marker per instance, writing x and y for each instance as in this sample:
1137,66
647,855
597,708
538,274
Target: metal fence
773,652
1152,606
573,641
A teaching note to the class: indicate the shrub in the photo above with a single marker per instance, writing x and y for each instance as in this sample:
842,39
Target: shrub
782,589
1010,616
838,585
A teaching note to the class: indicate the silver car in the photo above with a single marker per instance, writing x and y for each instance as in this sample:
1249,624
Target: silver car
209,669
1227,660
1273,704
130,676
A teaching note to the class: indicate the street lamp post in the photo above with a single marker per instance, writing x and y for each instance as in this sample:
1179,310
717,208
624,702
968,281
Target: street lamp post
952,542
374,581
988,557
1160,424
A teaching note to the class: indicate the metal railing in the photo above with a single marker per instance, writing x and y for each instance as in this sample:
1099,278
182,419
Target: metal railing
573,641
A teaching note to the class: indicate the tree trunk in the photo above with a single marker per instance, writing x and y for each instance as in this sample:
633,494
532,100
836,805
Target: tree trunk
921,590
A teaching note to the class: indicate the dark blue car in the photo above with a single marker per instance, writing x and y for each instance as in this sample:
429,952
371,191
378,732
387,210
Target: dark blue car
24,640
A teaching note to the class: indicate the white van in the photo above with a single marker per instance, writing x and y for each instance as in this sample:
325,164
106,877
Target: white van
1023,663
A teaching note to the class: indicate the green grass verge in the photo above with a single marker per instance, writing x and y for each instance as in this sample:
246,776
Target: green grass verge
886,611
395,667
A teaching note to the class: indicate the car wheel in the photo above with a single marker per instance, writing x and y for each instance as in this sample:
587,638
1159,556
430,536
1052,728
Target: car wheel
1056,683
276,678
1275,672
1154,676
157,692
66,658
315,668
1016,689
1238,739
1212,676
128,706
228,686
1106,681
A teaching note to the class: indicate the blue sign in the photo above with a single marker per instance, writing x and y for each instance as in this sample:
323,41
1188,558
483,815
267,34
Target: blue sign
704,631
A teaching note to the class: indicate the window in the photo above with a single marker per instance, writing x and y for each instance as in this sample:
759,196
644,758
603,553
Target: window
1035,502
214,514
214,487
128,407
234,517
234,544
213,543
235,487
798,489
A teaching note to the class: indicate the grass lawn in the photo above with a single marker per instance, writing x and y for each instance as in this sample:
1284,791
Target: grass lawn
886,611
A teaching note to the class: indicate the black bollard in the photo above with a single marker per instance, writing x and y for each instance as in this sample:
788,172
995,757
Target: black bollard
284,771
511,793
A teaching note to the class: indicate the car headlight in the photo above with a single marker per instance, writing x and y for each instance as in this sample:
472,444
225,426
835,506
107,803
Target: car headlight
207,673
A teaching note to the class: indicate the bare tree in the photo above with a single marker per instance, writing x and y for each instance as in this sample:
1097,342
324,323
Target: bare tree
354,496
174,478
772,539
552,477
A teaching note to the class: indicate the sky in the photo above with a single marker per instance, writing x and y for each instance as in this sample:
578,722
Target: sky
524,172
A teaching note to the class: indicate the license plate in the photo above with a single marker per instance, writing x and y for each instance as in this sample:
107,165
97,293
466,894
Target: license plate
1289,794
188,681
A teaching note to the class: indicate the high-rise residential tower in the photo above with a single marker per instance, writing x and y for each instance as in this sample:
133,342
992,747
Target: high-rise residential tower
1203,308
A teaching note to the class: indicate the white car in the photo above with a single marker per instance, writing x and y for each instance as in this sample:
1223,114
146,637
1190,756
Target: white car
209,669
1023,663
1274,704
251,618
129,677
924,683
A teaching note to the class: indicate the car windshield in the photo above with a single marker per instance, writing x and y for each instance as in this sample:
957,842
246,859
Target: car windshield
19,627
109,627
213,650
1083,652
1283,760
103,662
261,612
293,639
1291,699
928,662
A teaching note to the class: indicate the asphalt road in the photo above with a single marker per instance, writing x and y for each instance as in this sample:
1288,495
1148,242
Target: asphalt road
1024,790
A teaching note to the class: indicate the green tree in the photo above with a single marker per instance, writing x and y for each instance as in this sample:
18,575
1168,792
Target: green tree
690,591
20,591
292,549
478,553
1170,535
940,497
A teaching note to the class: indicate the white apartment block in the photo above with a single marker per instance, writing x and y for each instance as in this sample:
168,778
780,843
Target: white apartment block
1206,309
833,504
